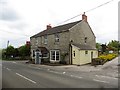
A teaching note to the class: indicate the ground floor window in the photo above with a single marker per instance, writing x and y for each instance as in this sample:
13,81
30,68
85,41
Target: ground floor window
55,55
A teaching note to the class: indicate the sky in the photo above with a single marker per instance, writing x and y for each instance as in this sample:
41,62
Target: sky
20,19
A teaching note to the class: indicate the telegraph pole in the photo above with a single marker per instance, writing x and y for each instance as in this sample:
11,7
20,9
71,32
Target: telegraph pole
7,43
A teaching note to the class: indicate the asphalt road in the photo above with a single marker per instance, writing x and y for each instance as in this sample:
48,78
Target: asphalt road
18,75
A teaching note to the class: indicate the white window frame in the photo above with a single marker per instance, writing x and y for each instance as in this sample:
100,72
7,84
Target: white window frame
55,55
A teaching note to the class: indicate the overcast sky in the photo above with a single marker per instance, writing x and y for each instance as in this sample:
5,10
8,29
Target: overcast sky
20,19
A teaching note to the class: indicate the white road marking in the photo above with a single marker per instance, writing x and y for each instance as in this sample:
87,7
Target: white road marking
76,76
25,78
105,77
8,69
48,69
55,72
100,81
0,64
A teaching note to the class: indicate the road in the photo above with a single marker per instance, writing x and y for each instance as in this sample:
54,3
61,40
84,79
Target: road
19,75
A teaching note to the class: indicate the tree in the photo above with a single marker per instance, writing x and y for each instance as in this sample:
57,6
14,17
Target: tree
24,50
10,51
114,45
104,48
98,46
16,54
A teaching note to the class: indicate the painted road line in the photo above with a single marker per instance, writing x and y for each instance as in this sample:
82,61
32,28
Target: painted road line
25,78
100,81
55,72
76,76
105,77
8,69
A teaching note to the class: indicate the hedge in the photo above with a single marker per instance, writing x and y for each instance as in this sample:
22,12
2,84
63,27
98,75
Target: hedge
103,59
108,57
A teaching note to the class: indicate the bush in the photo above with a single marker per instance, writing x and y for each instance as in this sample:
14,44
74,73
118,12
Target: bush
62,62
103,59
107,57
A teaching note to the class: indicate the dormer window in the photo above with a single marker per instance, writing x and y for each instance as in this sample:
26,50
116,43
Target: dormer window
56,37
85,39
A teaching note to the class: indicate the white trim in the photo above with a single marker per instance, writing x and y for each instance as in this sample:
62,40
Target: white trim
55,56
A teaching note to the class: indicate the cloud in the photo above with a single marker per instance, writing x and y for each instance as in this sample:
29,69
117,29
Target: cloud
8,15
6,12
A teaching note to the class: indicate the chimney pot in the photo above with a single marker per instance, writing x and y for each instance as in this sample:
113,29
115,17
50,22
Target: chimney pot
84,17
49,26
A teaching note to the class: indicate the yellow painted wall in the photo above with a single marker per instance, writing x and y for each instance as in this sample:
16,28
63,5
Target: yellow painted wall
85,58
76,59
80,56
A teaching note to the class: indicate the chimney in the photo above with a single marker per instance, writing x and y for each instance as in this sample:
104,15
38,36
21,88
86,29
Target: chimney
48,27
84,17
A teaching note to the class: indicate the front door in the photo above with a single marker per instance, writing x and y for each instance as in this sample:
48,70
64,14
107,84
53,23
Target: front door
75,55
37,57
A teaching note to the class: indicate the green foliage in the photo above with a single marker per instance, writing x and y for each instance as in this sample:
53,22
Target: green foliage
63,55
107,57
98,46
24,50
103,59
114,45
11,53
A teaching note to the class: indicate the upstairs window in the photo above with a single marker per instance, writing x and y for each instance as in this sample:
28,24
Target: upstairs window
36,41
45,39
56,37
85,39
86,52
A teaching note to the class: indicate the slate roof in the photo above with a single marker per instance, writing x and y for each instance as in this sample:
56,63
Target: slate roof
84,47
57,29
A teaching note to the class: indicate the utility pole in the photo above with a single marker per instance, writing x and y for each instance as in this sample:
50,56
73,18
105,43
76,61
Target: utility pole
7,43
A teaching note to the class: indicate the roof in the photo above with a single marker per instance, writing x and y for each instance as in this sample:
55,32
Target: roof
84,47
43,49
57,29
